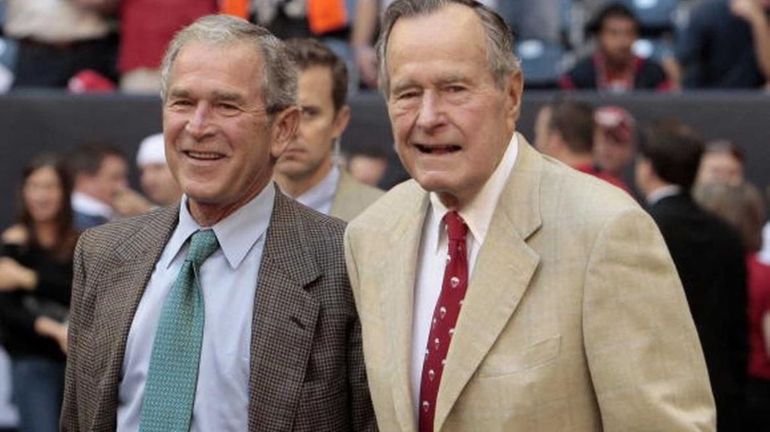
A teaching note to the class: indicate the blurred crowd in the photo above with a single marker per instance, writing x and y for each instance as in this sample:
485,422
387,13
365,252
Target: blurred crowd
711,217
661,45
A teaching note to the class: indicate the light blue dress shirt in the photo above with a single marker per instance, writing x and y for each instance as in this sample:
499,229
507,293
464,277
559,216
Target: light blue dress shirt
321,196
228,281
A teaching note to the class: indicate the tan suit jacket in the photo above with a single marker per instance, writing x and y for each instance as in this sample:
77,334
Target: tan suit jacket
352,197
574,319
307,371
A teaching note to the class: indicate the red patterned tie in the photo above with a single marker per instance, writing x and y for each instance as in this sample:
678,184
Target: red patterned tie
444,318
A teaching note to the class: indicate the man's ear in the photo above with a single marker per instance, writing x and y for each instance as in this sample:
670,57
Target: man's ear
284,128
341,121
514,88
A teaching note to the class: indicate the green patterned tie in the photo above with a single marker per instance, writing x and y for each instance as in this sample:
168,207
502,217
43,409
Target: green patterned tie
169,393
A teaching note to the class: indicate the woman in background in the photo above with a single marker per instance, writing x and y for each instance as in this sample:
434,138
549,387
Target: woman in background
742,207
35,282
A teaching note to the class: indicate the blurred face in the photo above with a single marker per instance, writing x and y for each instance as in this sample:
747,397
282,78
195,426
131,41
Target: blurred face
720,167
450,121
310,154
43,195
616,38
159,184
610,154
111,178
219,138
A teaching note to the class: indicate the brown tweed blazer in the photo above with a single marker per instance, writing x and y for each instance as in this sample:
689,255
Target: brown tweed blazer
307,370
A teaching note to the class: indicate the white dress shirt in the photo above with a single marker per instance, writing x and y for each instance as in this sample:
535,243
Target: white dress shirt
88,205
477,214
228,281
663,192
321,196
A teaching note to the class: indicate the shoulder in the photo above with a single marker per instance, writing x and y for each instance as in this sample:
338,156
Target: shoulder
583,74
567,192
110,236
352,186
16,234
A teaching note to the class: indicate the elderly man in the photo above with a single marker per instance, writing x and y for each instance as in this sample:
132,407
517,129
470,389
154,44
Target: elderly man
500,290
262,334
307,171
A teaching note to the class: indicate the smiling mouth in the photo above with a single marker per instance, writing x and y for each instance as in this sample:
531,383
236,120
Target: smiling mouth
203,155
437,150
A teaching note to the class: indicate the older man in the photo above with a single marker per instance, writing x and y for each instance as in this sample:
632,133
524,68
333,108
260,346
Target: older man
307,170
500,290
262,334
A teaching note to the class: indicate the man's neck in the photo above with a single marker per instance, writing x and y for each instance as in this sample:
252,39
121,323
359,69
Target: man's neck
296,186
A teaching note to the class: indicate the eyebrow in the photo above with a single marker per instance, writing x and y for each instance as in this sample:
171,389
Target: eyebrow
443,80
216,95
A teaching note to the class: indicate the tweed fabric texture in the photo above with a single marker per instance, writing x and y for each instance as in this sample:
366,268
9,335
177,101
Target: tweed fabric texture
307,366
173,373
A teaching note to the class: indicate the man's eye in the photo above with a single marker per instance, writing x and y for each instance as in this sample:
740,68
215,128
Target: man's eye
181,103
454,89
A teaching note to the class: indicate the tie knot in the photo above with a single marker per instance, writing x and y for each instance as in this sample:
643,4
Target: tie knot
202,245
455,226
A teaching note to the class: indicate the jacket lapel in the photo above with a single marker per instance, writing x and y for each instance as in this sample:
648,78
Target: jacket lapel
127,277
397,301
284,320
501,276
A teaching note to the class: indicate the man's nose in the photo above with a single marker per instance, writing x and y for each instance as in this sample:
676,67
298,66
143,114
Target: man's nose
198,123
431,112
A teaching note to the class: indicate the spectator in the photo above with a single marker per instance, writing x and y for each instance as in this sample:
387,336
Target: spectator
35,277
368,163
158,184
726,44
742,207
613,66
709,258
146,27
565,131
60,38
614,140
100,174
307,169
722,162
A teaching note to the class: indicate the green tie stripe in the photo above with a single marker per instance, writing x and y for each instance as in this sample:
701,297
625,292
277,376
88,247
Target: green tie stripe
169,392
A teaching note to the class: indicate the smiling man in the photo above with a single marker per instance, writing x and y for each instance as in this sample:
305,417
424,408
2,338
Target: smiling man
307,171
232,311
500,290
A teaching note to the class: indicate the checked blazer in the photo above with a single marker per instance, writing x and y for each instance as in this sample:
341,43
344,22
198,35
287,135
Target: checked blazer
307,369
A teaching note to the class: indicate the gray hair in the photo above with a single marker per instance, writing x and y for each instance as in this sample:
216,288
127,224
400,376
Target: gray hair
279,80
500,56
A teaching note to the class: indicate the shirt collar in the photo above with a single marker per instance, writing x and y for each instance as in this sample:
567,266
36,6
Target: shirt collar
322,193
663,192
477,214
237,233
90,205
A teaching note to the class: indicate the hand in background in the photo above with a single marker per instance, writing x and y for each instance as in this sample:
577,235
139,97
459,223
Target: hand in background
53,329
366,61
747,9
128,202
14,276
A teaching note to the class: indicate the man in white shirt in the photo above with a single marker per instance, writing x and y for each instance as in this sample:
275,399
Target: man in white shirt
308,169
500,290
100,173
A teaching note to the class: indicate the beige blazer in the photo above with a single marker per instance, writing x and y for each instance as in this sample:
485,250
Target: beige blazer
574,319
352,197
